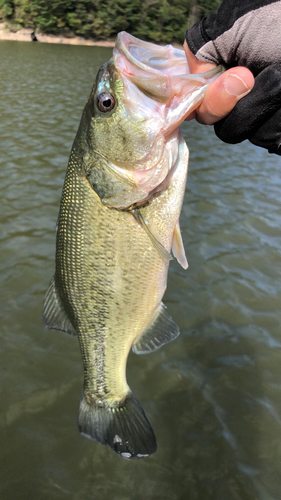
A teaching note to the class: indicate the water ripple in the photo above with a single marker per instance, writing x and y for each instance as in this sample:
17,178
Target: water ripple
213,396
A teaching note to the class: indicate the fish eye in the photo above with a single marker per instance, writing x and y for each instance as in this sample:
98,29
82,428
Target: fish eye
106,102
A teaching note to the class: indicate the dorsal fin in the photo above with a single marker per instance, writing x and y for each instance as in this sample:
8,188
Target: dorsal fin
162,330
54,315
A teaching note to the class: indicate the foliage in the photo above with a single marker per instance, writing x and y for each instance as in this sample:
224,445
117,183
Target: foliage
155,20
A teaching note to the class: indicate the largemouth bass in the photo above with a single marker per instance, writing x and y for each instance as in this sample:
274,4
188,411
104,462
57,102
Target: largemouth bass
118,221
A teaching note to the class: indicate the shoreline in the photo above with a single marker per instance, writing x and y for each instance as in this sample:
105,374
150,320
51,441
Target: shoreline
24,35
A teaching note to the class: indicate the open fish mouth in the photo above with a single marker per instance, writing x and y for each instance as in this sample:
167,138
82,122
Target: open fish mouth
156,95
159,72
148,57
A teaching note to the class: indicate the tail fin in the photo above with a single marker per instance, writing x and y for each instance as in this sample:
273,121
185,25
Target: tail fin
123,427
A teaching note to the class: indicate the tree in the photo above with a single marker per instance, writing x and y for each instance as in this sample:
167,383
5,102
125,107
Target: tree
161,21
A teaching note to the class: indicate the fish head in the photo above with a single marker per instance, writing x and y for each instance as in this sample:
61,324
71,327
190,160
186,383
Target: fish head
130,122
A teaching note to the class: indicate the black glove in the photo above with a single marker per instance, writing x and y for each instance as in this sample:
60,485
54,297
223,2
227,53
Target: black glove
246,33
257,116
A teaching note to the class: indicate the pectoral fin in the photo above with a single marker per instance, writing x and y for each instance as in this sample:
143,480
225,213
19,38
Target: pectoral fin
153,238
54,315
178,248
162,330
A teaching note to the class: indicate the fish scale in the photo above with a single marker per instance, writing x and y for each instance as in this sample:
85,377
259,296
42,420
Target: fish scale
110,276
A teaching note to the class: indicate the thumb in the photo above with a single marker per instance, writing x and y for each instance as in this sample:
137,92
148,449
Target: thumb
223,93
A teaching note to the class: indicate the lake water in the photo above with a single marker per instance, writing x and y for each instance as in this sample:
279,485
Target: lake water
213,396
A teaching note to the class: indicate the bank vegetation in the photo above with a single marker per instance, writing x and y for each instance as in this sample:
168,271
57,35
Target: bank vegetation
162,21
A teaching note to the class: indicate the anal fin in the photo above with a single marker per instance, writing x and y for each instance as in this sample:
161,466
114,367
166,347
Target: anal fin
54,315
161,331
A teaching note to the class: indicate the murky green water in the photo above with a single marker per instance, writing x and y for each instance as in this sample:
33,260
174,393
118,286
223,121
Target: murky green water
214,395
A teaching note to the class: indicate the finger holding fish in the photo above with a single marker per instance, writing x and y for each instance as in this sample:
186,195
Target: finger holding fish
223,93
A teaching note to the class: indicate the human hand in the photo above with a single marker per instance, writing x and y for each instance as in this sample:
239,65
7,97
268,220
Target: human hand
245,36
223,93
